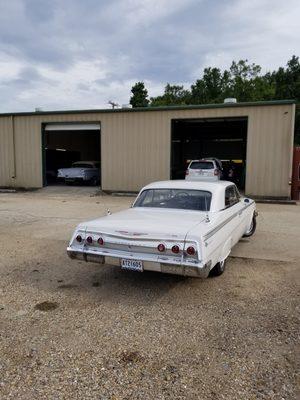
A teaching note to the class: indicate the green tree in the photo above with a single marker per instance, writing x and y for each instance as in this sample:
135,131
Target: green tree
139,96
211,88
247,83
287,80
287,86
173,95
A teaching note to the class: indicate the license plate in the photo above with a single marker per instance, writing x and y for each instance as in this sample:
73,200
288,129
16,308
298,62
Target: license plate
133,265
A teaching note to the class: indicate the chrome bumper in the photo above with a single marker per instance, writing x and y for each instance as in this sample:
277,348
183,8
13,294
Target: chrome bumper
165,264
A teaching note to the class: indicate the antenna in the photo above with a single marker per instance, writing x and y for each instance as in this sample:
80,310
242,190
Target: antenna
113,104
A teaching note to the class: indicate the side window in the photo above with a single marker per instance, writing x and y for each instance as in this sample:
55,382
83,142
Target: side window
230,196
146,197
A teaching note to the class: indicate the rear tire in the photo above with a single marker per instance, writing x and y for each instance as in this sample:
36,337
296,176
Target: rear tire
218,269
252,228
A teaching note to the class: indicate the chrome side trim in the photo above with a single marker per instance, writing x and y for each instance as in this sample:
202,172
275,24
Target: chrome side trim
222,224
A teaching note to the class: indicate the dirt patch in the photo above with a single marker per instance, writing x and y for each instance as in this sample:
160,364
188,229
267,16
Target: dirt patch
130,357
46,306
67,286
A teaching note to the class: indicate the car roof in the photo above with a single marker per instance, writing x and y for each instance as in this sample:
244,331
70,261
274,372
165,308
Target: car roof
183,184
216,188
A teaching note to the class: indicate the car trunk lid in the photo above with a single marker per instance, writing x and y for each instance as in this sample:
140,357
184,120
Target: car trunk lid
148,223
71,172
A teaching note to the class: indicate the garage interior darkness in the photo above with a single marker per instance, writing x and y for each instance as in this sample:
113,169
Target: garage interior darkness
64,144
222,138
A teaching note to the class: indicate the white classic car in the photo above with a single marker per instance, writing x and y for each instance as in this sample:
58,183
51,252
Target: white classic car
81,171
177,227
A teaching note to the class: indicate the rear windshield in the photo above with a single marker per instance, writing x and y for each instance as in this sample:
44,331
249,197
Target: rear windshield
185,199
202,165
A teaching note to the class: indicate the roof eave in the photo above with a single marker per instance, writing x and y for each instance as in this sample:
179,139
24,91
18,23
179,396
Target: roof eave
151,109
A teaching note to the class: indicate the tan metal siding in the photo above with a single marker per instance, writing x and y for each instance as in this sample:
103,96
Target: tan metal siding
141,144
135,150
28,153
6,152
269,151
136,146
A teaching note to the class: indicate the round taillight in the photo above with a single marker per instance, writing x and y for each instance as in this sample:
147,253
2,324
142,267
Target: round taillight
161,247
79,238
191,251
175,249
89,239
100,241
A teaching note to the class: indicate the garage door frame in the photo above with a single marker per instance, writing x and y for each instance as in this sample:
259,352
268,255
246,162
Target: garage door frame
240,117
43,141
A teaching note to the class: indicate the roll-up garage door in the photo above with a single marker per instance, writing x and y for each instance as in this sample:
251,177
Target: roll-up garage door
72,127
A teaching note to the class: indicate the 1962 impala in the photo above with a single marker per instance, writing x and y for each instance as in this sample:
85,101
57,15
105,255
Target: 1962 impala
177,227
81,171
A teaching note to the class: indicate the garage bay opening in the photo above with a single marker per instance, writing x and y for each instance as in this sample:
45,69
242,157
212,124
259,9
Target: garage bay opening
221,138
71,153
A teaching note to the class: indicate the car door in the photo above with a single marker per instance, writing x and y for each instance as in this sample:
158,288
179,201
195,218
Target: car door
234,208
246,214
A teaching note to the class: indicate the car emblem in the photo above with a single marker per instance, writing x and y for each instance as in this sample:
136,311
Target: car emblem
132,233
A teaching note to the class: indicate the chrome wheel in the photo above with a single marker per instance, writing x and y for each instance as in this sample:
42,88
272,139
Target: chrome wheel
251,229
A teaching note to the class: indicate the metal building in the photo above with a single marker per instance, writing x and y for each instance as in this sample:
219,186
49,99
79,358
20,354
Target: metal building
137,146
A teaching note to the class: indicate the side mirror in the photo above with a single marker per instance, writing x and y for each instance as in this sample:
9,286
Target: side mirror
246,201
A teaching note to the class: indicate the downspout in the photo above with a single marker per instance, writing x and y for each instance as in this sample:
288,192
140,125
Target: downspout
14,168
292,127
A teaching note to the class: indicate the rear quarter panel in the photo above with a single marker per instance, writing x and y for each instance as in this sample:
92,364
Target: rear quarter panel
224,229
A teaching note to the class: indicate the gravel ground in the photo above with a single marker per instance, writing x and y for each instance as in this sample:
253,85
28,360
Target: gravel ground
71,330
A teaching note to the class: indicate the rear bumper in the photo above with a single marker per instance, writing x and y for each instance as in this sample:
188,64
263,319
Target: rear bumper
164,264
75,179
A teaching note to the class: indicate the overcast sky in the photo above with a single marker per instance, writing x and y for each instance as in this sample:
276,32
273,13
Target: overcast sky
77,54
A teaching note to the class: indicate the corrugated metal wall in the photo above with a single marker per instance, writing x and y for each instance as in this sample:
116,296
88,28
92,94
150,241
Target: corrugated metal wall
136,146
6,151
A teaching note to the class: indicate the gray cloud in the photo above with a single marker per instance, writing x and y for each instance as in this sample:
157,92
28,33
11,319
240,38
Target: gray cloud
76,54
